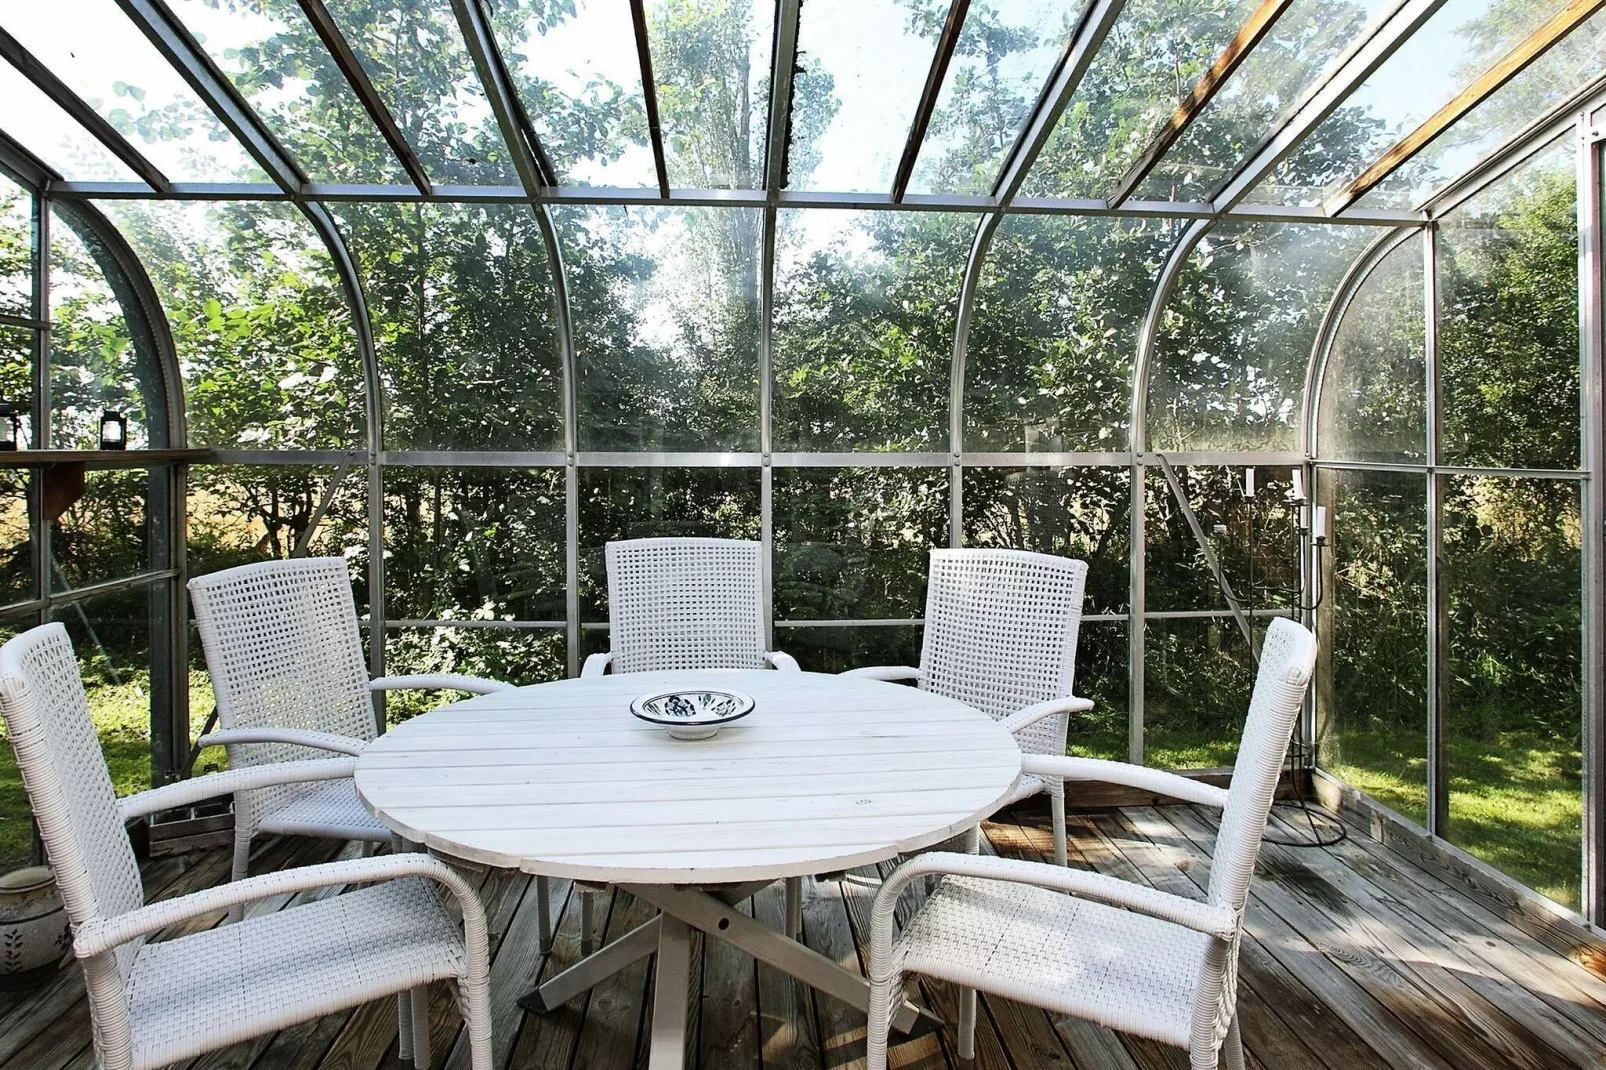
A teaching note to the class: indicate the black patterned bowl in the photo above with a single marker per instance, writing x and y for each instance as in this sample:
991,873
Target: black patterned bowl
695,714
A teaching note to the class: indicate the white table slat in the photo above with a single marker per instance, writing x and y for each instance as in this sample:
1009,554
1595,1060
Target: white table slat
559,779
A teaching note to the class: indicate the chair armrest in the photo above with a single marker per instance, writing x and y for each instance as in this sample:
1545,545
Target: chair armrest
782,661
445,681
1133,776
890,673
596,665
100,936
1212,919
1029,716
196,789
300,736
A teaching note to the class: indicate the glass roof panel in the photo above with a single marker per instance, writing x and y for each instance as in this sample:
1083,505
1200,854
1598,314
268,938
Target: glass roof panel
272,55
1301,45
711,65
1150,61
415,56
1568,66
42,128
1006,51
863,64
16,250
110,64
577,72
1456,45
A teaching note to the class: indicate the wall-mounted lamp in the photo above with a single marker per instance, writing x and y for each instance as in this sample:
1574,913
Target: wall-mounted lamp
10,426
113,430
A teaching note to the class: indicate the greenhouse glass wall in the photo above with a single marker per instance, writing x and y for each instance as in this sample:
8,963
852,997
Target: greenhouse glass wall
461,291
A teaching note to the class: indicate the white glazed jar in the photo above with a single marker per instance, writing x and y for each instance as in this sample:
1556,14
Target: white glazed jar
34,933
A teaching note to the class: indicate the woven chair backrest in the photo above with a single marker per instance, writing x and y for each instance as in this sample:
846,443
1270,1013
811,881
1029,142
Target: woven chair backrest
1001,630
69,787
685,604
283,651
1287,658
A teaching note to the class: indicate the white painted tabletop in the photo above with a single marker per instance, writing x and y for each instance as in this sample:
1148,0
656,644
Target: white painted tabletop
560,779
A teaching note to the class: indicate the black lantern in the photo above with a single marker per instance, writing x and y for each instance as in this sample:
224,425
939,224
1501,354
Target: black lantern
113,430
10,426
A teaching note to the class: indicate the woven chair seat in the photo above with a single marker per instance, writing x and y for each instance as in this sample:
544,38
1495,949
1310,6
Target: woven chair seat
234,982
1095,962
332,809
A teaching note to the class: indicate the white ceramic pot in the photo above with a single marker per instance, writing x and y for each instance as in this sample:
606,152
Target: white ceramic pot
34,934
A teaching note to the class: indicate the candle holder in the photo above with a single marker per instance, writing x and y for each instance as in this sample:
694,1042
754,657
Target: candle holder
113,430
10,427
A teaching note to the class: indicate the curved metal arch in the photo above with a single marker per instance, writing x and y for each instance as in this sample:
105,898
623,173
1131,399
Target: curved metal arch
1349,287
986,227
142,310
1143,361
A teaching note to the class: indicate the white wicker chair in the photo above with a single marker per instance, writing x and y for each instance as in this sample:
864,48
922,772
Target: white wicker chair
1123,955
685,604
152,1004
1000,635
287,667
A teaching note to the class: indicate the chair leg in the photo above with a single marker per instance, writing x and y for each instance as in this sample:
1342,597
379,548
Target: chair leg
420,1002
1056,805
404,1024
967,1023
241,868
588,897
794,907
543,903
882,998
1232,1048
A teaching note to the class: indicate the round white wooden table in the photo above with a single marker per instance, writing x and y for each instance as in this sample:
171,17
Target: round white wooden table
827,773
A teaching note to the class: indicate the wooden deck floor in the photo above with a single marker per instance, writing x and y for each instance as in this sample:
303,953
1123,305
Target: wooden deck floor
1355,958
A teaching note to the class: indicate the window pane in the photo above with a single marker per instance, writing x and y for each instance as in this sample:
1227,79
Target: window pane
1048,364
1101,675
265,338
16,249
111,636
415,57
1301,45
1374,388
1435,63
94,364
1255,540
466,324
1372,676
118,72
274,58
1151,59
16,378
45,130
665,307
1508,335
578,75
640,503
1198,675
1235,342
16,539
1514,687
104,534
865,305
474,544
241,514
856,542
838,649
515,655
1005,53
1072,512
863,65
711,65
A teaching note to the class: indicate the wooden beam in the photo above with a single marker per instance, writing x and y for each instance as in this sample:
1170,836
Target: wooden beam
345,58
649,90
1484,86
946,42
90,119
1231,58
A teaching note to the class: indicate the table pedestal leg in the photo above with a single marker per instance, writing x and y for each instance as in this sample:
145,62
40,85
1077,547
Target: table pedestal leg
667,1050
592,970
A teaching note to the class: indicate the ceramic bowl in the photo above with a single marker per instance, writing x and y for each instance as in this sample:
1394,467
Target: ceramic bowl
694,714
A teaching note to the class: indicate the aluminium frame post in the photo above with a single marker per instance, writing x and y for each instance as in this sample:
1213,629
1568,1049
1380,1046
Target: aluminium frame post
1438,780
1591,144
